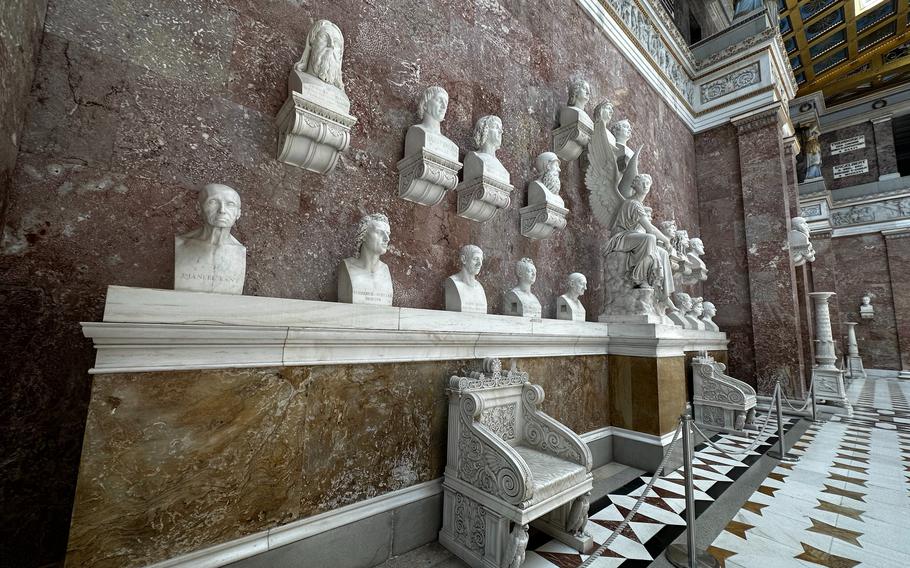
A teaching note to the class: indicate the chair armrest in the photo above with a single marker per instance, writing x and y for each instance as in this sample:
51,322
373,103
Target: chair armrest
486,461
542,432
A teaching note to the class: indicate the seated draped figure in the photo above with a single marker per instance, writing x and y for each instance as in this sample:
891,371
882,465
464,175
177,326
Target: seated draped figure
210,259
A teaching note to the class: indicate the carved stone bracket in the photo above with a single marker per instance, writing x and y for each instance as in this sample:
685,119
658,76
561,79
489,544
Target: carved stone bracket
569,141
541,220
311,135
479,199
425,178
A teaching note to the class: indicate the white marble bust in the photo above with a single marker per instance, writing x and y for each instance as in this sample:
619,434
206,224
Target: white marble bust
866,310
603,113
483,162
707,316
622,132
520,301
695,314
545,189
463,292
318,73
364,279
683,304
427,135
579,95
568,306
209,259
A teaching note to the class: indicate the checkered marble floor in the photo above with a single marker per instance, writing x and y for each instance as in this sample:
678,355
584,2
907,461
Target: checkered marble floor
845,503
661,518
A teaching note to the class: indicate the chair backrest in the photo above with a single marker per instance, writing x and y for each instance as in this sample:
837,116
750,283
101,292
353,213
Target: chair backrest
500,395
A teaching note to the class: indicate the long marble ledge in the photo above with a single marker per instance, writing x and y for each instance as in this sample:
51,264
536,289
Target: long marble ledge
156,330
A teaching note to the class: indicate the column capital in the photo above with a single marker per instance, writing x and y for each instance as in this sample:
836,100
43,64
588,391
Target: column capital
769,116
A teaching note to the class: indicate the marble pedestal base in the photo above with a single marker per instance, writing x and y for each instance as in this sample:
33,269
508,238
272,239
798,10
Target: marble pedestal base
812,185
829,385
855,367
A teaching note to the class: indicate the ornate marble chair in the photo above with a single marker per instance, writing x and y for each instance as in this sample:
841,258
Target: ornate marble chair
508,465
721,402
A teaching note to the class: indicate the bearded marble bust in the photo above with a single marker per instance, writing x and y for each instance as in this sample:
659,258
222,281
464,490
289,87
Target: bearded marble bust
319,69
210,259
545,189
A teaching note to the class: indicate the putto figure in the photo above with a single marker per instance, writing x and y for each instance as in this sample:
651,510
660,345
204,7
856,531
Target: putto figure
568,306
575,126
314,125
430,165
487,184
210,259
363,278
463,292
520,301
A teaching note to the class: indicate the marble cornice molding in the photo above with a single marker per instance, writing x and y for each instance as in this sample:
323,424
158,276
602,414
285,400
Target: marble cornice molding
147,330
749,74
903,233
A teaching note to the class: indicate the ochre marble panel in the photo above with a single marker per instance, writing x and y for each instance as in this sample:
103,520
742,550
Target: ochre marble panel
647,394
177,461
898,246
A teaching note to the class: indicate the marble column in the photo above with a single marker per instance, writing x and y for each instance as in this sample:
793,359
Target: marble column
854,361
897,246
824,276
772,279
829,380
884,148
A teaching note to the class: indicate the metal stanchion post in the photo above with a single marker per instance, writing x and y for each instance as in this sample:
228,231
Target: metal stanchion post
687,555
781,453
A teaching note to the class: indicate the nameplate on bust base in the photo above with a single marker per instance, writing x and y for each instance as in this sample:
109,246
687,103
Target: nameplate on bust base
567,309
521,304
461,297
200,266
359,286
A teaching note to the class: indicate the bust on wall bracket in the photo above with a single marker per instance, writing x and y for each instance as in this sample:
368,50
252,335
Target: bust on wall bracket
545,212
430,165
487,185
209,259
314,124
363,278
575,126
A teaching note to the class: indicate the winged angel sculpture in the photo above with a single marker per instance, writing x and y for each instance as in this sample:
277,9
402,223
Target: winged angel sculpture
639,258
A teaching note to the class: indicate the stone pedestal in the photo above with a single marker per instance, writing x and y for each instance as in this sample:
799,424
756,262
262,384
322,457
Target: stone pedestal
829,380
854,361
312,131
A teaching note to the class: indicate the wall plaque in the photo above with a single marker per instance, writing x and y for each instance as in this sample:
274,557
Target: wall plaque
851,169
848,145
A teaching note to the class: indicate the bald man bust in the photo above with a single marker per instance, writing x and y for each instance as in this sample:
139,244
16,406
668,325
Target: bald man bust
210,259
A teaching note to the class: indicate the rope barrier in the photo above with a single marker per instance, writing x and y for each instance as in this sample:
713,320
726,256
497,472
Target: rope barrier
808,397
658,473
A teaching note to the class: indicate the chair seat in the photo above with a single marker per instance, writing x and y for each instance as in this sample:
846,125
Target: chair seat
550,474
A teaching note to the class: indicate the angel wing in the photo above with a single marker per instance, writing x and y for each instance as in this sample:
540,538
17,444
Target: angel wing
603,176
625,184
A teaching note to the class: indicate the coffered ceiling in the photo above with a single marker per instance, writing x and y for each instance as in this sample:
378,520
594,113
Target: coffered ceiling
846,48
